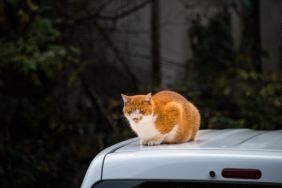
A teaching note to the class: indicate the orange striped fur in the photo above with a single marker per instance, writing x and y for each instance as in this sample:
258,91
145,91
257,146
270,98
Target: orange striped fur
166,117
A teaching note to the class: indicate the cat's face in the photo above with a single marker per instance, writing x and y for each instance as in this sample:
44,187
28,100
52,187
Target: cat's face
137,107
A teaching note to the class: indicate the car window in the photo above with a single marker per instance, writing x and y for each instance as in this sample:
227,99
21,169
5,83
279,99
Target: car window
149,184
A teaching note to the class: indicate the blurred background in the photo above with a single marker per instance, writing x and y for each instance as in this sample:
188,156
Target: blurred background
63,65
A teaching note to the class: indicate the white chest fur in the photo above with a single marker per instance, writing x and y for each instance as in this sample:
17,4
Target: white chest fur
145,128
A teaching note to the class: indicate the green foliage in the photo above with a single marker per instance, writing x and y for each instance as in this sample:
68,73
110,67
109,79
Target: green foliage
41,144
48,131
36,51
229,90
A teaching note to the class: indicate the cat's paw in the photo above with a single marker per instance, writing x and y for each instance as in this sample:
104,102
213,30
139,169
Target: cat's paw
143,142
151,142
154,142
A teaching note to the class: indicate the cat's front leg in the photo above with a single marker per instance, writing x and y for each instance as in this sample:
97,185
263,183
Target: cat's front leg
156,140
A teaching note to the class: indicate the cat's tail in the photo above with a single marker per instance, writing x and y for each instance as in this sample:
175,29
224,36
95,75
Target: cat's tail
190,122
195,121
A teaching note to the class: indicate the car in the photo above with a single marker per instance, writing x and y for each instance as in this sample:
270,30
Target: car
217,158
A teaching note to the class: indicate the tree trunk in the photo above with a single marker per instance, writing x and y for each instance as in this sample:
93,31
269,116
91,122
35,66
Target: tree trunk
155,43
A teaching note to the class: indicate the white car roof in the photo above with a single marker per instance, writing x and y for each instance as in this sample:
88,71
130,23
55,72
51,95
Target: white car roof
235,139
213,150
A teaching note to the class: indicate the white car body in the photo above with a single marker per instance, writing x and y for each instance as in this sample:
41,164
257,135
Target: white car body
203,160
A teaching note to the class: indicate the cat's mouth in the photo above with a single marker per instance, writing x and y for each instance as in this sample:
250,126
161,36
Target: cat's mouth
136,120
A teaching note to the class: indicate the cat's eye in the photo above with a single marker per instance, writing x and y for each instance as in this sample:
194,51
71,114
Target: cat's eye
129,111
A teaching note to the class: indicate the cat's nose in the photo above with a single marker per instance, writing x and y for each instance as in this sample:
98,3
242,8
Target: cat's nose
137,119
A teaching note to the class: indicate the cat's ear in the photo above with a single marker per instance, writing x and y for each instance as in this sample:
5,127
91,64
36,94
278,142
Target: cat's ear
148,97
125,98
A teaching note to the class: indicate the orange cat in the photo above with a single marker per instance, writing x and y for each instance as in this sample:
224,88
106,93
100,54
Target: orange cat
166,117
